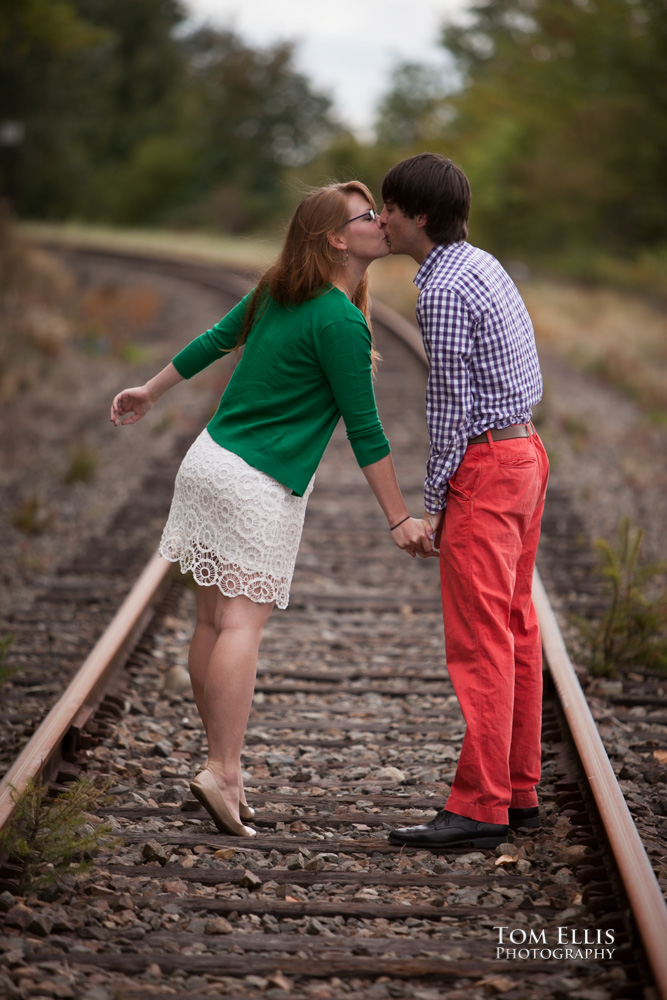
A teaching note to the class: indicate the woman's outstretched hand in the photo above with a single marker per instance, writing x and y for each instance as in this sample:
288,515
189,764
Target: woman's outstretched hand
412,537
130,405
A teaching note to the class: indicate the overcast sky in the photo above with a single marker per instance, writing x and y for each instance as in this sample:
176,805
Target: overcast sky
347,48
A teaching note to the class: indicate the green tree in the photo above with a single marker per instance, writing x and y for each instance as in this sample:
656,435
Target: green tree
561,121
416,109
255,115
124,118
37,38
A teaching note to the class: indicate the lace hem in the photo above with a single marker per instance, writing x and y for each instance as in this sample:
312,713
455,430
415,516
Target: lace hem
232,580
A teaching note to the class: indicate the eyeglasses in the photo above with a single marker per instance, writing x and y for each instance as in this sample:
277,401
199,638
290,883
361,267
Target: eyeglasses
371,215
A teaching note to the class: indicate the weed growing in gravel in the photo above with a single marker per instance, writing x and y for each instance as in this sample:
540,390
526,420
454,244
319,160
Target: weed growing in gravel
5,670
48,837
33,517
83,464
633,629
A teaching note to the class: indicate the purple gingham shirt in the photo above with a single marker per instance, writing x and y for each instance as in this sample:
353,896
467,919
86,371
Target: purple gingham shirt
484,369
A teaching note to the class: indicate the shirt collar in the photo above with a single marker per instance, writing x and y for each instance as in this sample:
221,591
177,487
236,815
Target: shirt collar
430,260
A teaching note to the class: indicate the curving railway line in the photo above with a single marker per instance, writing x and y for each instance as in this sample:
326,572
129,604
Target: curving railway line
355,729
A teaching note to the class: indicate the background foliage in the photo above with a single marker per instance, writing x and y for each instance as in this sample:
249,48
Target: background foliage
557,110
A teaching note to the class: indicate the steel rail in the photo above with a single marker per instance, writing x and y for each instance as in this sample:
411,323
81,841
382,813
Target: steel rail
87,686
639,881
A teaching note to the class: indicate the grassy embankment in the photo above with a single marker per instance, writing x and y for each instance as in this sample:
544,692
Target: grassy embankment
616,331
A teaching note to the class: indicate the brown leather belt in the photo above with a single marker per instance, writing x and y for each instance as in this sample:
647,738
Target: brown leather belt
504,433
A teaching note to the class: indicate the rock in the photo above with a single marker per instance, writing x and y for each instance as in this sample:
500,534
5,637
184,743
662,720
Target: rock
152,851
40,924
218,925
177,682
315,865
163,748
294,892
366,893
8,988
497,984
274,759
571,854
19,916
98,993
390,774
563,876
280,981
604,686
14,957
477,856
172,796
6,901
251,881
259,982
175,886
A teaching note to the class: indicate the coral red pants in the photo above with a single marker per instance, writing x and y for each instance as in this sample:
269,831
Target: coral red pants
490,532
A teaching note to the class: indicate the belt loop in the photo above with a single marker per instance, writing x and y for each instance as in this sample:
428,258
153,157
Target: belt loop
489,437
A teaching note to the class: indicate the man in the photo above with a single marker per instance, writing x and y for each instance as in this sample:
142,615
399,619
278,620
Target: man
484,494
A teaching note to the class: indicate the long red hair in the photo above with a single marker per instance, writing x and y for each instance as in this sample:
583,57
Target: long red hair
308,262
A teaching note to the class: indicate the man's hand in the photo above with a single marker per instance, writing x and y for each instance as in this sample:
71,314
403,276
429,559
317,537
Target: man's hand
412,537
433,527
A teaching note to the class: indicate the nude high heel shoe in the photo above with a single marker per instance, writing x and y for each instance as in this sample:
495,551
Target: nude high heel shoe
206,790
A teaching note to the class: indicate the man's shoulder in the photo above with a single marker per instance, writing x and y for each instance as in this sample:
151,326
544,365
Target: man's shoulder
468,272
463,258
460,270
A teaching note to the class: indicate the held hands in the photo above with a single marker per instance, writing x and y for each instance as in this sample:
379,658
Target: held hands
413,537
130,405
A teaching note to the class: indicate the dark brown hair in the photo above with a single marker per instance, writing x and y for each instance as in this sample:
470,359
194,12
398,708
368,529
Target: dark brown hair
429,184
308,262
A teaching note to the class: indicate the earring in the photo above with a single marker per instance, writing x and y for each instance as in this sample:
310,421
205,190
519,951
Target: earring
345,257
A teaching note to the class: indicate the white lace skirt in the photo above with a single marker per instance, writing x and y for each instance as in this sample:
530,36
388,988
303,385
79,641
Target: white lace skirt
233,526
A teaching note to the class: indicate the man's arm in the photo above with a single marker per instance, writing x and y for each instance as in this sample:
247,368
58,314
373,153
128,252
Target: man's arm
448,331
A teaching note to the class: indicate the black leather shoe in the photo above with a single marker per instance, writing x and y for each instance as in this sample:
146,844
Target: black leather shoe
446,829
529,817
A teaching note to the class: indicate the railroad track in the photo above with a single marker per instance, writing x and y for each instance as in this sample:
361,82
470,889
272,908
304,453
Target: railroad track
355,728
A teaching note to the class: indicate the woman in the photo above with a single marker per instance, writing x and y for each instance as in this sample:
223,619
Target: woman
241,492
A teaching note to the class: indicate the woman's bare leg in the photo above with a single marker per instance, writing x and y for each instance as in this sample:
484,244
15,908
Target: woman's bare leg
223,666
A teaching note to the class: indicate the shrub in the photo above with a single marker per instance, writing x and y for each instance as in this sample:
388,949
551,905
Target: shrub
50,836
633,629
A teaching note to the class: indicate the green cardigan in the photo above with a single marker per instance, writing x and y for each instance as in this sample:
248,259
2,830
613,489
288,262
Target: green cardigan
302,368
